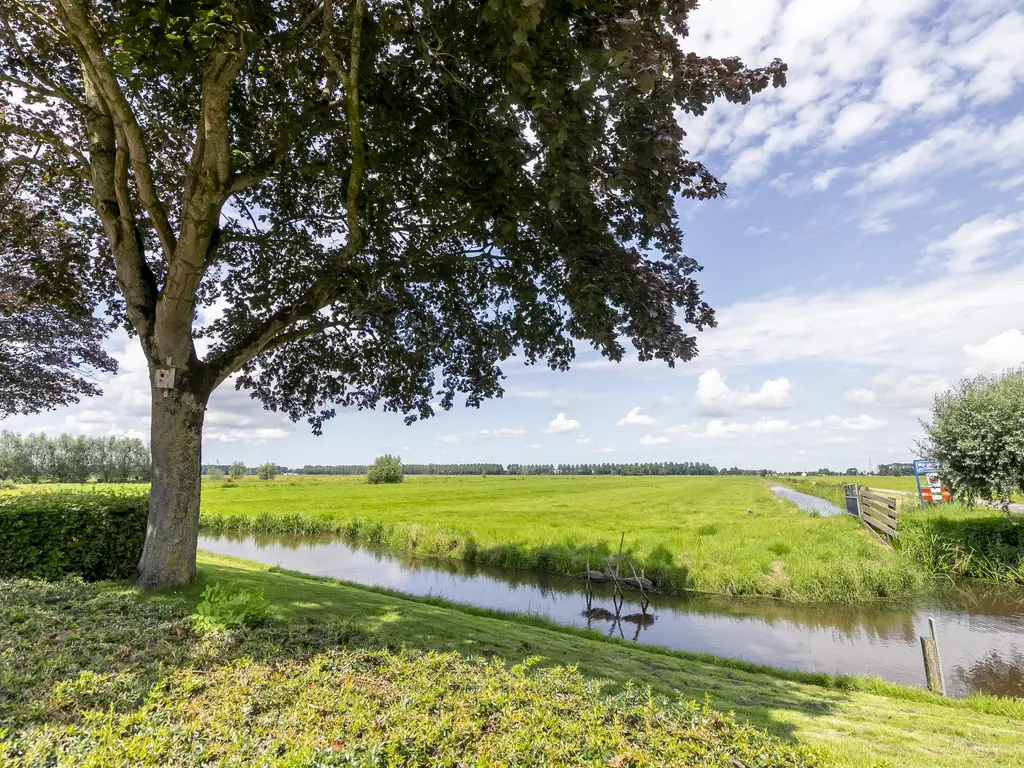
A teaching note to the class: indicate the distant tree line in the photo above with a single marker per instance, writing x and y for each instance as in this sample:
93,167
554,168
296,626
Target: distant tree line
37,458
654,468
895,470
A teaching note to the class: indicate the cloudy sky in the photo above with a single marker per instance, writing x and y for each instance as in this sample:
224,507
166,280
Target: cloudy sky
869,254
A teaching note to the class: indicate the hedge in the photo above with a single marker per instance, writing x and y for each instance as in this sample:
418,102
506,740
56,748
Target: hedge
94,535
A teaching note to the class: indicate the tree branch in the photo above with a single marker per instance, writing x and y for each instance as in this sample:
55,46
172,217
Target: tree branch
51,89
325,288
100,72
109,169
46,137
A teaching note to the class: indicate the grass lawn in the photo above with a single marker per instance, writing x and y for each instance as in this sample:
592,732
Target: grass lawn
685,532
98,675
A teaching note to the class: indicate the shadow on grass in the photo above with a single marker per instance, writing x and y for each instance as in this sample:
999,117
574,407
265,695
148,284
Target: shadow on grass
72,649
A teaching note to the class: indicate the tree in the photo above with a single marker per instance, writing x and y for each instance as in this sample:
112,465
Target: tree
267,471
385,469
386,200
237,470
977,435
214,472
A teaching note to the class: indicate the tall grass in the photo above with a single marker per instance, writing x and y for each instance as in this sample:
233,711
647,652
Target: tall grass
960,542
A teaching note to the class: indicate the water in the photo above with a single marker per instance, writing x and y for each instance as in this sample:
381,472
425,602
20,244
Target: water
808,503
980,629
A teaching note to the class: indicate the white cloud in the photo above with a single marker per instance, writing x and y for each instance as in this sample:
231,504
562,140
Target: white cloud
717,428
254,435
669,402
637,418
823,180
450,439
533,446
859,396
508,432
1005,350
560,425
904,391
758,230
855,121
648,440
878,217
583,441
862,423
857,67
715,398
882,326
975,240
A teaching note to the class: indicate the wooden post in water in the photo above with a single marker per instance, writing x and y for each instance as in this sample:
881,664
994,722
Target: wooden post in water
931,664
938,656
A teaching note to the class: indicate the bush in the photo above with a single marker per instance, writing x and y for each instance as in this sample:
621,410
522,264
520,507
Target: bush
223,608
977,435
236,471
214,472
385,469
267,471
89,534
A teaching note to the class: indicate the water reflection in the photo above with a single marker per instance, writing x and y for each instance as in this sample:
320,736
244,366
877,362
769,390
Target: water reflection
807,502
979,627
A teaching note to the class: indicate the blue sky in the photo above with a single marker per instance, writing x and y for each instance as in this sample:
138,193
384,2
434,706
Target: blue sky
868,256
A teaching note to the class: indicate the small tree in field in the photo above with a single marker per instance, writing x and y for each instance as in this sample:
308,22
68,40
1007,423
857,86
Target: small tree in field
267,471
385,200
237,470
977,434
385,469
214,472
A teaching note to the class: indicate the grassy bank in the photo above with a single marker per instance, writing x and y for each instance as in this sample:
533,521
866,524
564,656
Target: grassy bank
100,675
685,532
943,540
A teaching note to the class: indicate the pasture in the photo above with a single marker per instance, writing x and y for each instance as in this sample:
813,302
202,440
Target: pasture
724,535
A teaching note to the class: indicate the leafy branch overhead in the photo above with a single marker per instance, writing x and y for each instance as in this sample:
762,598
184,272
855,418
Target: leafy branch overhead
383,200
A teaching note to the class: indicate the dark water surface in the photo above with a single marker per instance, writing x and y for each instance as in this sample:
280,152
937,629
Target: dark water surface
980,628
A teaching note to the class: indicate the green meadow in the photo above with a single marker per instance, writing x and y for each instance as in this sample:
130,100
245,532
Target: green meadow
723,535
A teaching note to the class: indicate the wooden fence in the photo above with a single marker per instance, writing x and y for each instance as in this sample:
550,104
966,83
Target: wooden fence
879,514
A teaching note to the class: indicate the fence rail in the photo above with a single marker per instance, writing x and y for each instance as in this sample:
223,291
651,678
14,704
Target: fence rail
879,514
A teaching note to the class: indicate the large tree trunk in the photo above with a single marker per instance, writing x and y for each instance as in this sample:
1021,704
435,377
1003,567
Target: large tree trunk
169,555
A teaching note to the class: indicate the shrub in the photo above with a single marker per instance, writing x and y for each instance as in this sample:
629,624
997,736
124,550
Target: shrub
236,471
977,435
214,472
385,469
94,535
267,471
221,608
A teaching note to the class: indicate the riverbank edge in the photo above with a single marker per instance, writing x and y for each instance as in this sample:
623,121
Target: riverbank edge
948,541
981,703
562,560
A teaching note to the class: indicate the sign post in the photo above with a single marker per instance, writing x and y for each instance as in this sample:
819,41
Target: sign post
929,482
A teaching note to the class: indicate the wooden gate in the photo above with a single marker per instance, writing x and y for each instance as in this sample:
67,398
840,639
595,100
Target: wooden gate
879,514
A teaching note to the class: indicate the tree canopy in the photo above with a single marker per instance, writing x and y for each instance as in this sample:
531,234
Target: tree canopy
376,195
977,435
50,341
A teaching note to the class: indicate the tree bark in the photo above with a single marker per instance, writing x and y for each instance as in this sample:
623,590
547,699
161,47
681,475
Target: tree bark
169,554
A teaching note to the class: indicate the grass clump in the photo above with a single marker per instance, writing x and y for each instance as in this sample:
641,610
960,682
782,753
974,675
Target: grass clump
962,542
305,692
223,607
